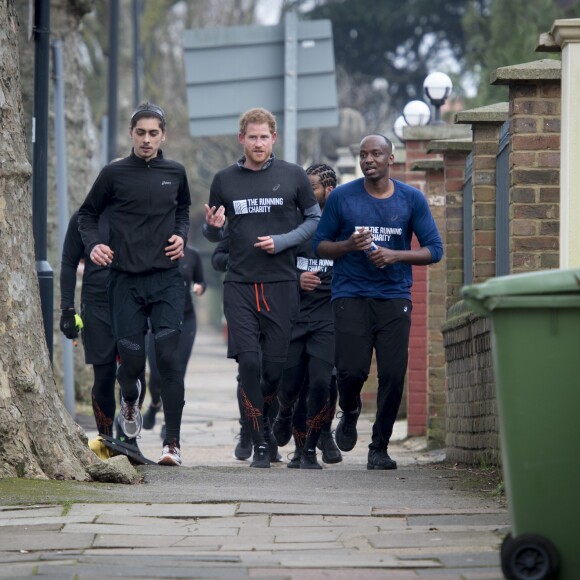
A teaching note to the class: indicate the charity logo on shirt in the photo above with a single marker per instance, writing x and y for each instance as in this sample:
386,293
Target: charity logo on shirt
381,233
256,205
313,264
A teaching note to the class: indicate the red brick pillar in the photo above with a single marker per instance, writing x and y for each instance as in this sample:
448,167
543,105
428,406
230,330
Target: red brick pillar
485,123
534,114
425,347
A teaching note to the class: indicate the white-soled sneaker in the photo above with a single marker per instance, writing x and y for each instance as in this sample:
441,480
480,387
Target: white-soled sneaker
171,455
130,418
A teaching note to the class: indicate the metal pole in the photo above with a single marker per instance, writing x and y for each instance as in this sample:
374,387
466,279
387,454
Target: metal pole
136,53
104,139
40,165
113,78
62,205
291,87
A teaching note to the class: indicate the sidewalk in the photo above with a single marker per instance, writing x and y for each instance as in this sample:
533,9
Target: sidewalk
217,518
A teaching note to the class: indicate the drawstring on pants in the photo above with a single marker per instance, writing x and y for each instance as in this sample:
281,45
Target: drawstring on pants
258,297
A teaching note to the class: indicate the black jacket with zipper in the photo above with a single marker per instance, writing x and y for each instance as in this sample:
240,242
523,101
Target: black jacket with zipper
148,203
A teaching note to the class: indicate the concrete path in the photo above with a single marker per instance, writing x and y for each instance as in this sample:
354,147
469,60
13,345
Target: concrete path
217,518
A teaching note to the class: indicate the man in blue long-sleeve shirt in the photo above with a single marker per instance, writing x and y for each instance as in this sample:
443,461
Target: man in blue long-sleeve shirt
366,228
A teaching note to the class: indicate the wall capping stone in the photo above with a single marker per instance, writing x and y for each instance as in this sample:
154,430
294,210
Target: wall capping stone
496,113
538,70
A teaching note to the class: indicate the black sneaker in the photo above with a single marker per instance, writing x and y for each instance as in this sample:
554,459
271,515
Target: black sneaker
149,416
261,456
270,440
308,460
345,433
330,452
294,462
244,447
379,459
282,429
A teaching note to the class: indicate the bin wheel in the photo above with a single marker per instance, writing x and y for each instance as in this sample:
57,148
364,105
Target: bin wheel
529,557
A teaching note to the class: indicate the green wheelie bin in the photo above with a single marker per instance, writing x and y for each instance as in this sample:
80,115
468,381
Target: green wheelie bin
536,357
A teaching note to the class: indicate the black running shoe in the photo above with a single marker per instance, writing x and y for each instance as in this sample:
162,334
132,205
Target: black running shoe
270,440
149,416
294,462
330,452
244,447
346,434
308,460
379,459
261,456
282,429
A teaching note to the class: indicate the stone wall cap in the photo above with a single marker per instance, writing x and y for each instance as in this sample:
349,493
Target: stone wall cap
428,165
431,132
445,145
539,70
565,31
496,113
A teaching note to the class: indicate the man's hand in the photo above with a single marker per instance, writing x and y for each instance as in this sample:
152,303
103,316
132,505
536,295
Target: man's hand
197,289
265,243
361,240
382,257
102,255
175,248
68,323
215,217
309,281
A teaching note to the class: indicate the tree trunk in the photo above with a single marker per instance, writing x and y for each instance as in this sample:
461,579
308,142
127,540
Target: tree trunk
38,438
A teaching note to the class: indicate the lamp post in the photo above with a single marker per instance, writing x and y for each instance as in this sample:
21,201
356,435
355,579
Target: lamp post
437,87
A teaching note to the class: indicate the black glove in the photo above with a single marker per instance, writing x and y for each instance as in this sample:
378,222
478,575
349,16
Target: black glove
68,324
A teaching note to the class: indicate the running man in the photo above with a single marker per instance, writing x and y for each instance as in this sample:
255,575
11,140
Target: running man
366,229
148,200
260,196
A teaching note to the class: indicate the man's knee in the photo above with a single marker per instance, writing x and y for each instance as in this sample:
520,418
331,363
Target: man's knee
355,374
167,349
132,354
248,364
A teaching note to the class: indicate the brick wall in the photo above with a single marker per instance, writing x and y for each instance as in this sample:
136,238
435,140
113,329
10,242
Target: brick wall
471,412
534,176
534,109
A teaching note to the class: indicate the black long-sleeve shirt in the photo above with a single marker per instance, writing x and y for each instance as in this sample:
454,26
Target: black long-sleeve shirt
191,269
148,203
263,203
94,287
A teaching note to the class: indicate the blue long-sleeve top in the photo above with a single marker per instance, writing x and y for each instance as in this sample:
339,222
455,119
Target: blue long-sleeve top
392,221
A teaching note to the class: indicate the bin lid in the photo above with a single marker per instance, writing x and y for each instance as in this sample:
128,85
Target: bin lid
505,290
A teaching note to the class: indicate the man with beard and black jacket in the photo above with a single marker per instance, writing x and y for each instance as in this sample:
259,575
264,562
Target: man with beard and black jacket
260,197
148,201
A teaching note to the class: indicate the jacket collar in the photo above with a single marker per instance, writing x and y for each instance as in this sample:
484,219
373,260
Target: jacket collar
269,162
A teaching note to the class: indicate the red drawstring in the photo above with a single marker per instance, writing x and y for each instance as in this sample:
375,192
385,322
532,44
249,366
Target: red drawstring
264,298
258,297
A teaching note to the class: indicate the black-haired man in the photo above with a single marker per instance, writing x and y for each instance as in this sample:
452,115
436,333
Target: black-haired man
148,200
366,229
310,360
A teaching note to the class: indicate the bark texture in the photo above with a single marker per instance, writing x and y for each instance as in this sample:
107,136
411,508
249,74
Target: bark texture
38,438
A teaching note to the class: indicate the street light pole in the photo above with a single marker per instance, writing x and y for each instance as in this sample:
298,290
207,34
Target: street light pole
437,87
40,164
